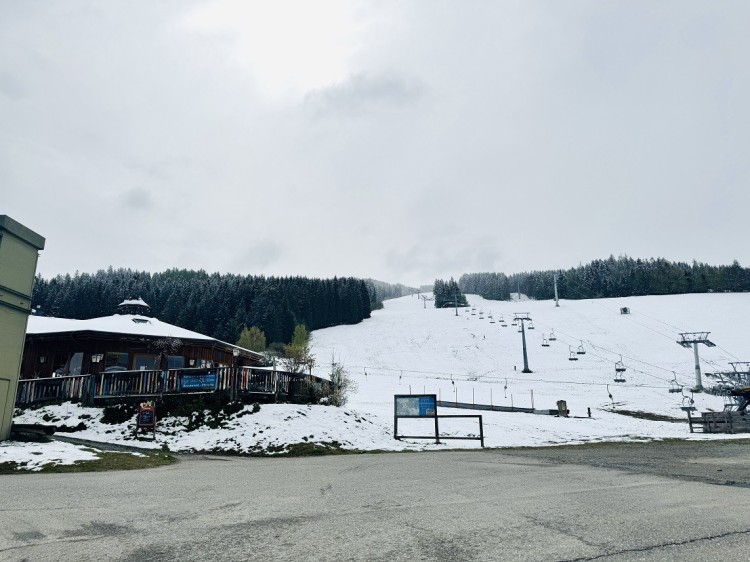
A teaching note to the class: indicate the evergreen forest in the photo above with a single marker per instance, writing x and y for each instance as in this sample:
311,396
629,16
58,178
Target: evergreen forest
218,305
613,277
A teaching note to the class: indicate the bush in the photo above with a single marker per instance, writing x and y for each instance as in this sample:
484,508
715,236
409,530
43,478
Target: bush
119,413
342,385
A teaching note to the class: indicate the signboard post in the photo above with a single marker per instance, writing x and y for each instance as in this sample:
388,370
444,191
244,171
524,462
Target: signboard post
146,418
424,406
415,406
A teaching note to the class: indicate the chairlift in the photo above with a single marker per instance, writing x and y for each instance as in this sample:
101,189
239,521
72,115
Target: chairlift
531,325
552,336
572,354
545,343
619,370
687,403
674,386
481,314
581,351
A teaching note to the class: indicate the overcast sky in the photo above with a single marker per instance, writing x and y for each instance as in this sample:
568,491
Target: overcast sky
397,140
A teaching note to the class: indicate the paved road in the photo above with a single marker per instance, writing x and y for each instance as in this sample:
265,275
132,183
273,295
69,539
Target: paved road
472,505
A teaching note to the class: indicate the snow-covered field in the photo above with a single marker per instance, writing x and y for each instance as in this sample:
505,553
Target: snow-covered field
407,348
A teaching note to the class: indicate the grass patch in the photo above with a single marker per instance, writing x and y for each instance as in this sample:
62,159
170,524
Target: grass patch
106,461
313,449
649,416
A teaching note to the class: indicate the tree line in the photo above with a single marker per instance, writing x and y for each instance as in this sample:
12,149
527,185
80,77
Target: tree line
447,293
218,305
613,277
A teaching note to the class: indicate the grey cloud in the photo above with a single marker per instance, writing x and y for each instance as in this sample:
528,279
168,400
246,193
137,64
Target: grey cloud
10,87
137,198
361,94
257,254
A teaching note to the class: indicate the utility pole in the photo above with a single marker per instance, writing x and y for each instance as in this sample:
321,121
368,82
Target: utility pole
557,302
521,316
455,299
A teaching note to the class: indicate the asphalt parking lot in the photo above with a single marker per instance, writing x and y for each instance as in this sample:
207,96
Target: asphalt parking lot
657,501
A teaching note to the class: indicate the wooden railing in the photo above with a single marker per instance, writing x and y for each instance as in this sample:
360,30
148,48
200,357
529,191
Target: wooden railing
59,389
240,382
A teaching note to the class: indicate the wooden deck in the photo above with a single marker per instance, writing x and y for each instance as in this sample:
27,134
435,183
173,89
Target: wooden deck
241,383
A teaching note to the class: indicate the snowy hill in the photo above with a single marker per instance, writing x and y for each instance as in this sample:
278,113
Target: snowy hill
406,347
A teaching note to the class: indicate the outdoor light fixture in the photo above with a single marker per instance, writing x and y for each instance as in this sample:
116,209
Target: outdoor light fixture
192,362
42,358
97,357
236,352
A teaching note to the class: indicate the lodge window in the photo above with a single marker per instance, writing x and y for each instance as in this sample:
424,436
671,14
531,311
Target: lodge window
116,359
175,362
76,362
144,362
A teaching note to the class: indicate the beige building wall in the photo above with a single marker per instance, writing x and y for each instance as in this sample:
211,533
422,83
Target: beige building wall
19,250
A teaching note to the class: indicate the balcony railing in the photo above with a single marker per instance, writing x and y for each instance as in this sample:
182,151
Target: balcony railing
241,382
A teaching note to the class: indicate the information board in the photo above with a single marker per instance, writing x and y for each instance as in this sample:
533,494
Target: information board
199,381
416,405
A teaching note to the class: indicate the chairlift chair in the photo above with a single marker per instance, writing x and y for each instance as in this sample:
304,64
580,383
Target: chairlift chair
674,386
572,354
619,370
687,404
531,325
545,343
581,351
552,336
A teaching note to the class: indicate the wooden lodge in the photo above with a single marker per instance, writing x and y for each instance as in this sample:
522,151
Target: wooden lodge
134,356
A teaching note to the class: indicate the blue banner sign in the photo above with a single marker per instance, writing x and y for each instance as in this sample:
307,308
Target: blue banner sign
199,381
420,405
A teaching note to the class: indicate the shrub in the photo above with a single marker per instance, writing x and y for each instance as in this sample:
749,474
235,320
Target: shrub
119,413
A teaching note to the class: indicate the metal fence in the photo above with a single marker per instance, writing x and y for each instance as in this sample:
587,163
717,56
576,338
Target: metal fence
240,382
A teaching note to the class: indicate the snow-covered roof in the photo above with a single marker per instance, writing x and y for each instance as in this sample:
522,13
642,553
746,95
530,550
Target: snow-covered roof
137,302
116,324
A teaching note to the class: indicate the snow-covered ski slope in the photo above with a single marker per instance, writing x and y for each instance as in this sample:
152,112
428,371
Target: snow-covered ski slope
409,348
